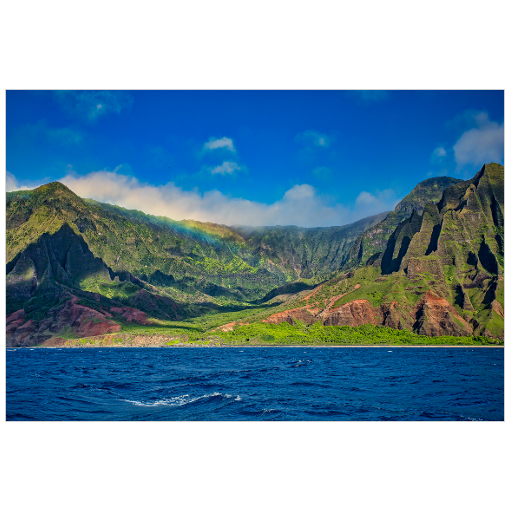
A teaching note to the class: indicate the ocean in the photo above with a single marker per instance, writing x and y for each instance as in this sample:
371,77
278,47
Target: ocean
255,384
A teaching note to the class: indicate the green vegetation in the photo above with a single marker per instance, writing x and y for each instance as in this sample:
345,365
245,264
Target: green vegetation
372,243
367,334
433,266
39,305
262,334
284,334
115,290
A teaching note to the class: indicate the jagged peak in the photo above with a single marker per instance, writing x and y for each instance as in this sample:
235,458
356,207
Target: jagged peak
416,199
478,176
491,173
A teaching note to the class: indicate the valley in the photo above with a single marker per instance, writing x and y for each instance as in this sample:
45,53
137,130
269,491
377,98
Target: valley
431,271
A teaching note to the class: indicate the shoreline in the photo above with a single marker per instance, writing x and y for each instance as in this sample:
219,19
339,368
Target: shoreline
263,346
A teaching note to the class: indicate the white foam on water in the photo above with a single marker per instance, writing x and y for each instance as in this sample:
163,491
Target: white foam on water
177,401
174,401
227,395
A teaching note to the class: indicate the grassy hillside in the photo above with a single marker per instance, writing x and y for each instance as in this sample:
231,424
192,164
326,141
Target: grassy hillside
433,267
441,271
60,245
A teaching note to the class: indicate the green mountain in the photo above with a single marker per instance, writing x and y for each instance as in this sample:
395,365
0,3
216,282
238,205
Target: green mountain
434,266
373,241
440,271
64,251
304,252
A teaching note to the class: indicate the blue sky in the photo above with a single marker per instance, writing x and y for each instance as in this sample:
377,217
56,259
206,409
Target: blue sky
311,158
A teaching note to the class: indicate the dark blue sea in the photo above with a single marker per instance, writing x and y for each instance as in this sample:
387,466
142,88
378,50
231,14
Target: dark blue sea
255,384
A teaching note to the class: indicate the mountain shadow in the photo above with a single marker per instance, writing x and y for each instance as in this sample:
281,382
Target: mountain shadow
432,247
487,258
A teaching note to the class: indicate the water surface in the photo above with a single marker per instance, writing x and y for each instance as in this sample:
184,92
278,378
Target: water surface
297,383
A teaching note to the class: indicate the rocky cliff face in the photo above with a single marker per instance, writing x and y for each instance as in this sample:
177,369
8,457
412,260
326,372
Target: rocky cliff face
370,244
70,317
455,249
79,268
305,252
440,272
432,316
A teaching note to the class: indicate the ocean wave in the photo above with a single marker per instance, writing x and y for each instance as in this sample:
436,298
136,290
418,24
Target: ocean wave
182,400
217,385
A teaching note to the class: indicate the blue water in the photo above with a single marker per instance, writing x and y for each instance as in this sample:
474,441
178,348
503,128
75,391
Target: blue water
255,384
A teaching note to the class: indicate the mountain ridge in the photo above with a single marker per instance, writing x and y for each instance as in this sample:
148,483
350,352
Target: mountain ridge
371,243
124,253
440,272
433,266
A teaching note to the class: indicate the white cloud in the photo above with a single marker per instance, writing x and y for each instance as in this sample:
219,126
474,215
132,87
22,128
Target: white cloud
373,203
438,156
300,205
219,143
481,140
314,139
216,147
227,167
300,192
481,144
439,152
12,184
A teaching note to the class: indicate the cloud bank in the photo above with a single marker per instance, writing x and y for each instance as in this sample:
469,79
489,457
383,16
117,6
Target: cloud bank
11,183
478,141
300,205
481,144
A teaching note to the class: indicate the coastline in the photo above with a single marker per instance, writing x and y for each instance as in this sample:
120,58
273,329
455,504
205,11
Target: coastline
258,346
160,341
